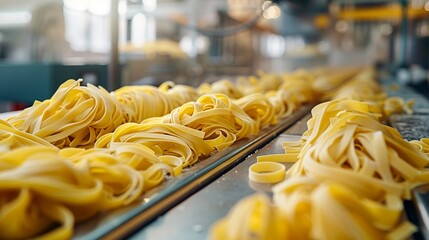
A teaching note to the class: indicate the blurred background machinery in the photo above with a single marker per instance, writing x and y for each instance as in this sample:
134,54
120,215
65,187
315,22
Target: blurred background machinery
190,41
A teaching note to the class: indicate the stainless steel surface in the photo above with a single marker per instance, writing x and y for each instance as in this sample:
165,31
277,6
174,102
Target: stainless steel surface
299,127
411,127
421,202
122,222
415,126
192,218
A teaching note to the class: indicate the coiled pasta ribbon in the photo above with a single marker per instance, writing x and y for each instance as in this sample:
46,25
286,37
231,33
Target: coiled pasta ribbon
267,172
292,94
422,145
12,138
122,184
253,217
315,210
44,191
396,105
36,191
366,152
142,102
75,116
163,139
259,108
222,86
270,81
217,116
249,85
350,169
363,87
253,84
329,79
306,209
178,94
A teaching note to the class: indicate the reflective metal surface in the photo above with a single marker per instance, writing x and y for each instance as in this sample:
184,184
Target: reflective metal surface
192,218
122,222
421,203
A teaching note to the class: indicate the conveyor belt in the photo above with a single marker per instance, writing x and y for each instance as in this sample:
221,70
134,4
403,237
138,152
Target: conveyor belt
193,218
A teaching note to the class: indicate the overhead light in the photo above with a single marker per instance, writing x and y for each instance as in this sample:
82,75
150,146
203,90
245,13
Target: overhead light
79,5
14,18
122,7
138,24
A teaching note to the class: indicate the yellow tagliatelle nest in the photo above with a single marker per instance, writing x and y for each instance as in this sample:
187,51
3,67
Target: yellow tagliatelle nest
306,209
43,193
350,169
12,138
222,86
397,105
363,87
44,190
177,141
252,218
259,108
75,116
143,102
291,95
218,117
178,94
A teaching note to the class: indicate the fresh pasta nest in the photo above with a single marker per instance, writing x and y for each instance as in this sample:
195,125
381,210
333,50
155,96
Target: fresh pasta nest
75,116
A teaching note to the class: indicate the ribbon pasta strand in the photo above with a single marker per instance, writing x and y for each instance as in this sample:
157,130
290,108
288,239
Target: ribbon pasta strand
350,169
75,116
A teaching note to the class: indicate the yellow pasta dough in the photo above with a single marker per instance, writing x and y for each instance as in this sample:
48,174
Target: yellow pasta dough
259,108
75,116
291,95
422,145
133,145
222,86
253,217
350,170
217,116
306,209
43,191
163,139
12,138
267,172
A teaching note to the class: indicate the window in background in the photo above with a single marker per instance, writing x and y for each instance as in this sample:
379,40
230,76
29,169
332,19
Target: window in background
87,25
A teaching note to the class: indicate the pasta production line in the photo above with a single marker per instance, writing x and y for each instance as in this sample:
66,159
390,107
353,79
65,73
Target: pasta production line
187,206
214,119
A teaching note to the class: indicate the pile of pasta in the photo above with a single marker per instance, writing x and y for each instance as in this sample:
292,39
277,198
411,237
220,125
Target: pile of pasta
76,116
45,190
363,87
86,151
350,176
286,92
